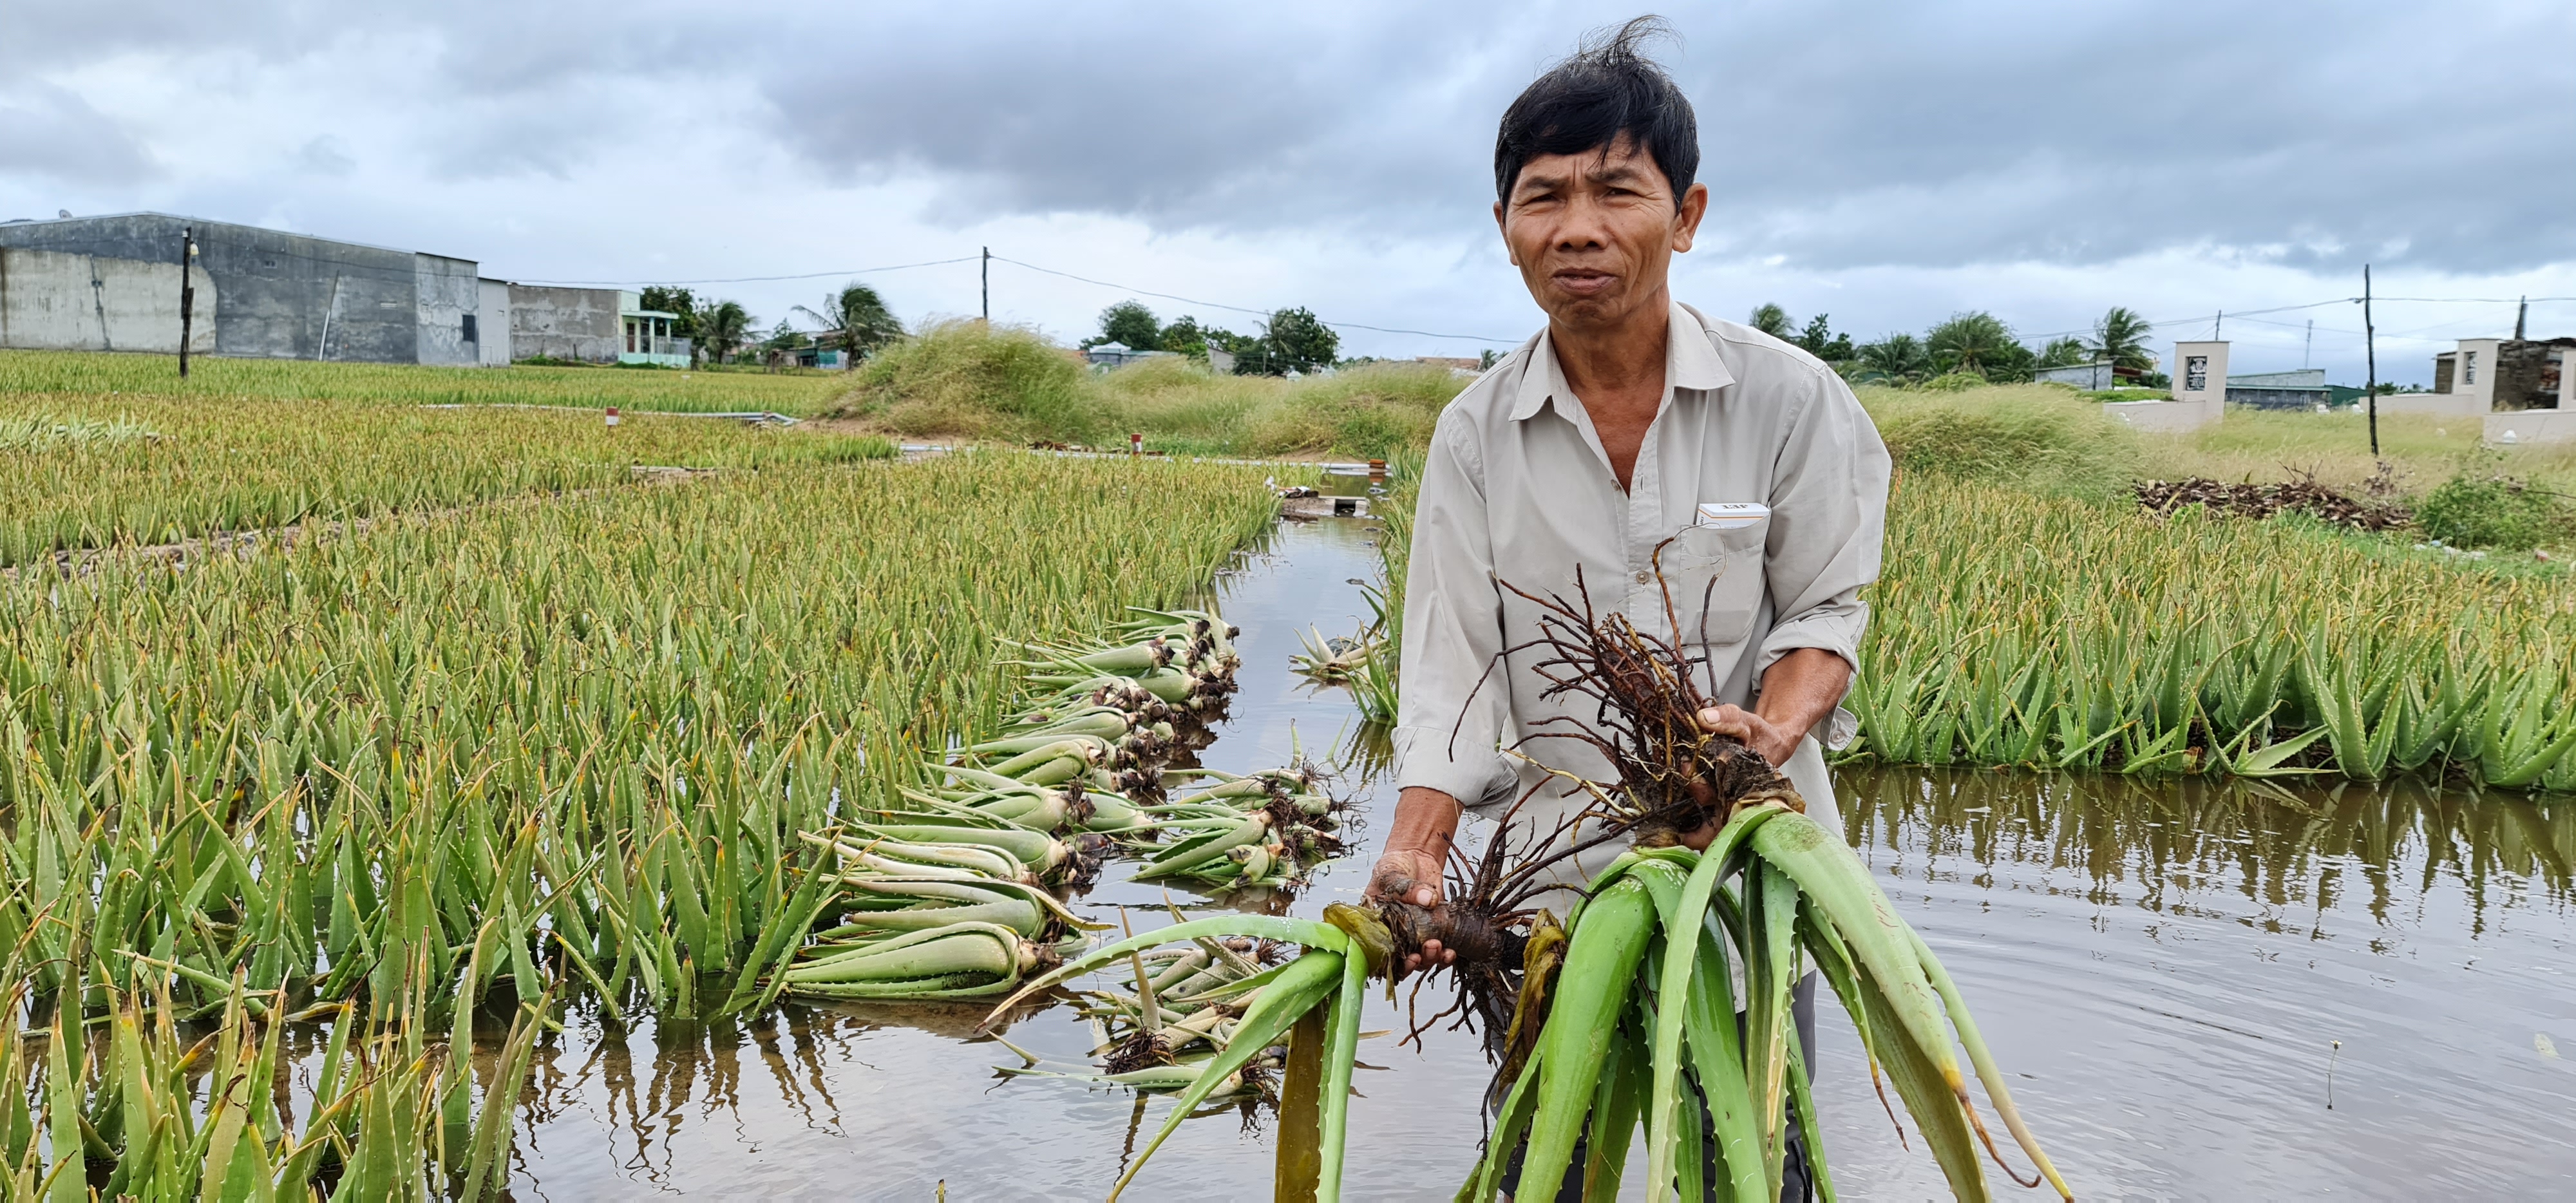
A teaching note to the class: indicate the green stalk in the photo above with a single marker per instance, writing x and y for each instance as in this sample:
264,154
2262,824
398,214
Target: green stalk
1591,992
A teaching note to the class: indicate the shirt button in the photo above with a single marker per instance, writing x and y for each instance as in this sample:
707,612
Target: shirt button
1644,577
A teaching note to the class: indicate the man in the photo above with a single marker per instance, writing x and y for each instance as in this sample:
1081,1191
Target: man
1630,424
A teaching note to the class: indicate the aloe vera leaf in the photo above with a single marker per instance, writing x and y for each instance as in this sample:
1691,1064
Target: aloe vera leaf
1932,1102
1306,932
1263,1022
1998,1091
1337,1068
1842,889
1591,991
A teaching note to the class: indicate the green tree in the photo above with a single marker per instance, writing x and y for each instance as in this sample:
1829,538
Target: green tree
2065,353
668,299
1897,358
1818,339
722,327
1293,340
1772,320
855,320
2121,338
1977,341
1129,324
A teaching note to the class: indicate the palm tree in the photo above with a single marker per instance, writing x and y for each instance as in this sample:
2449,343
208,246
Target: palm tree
1975,341
1897,357
2120,338
1772,320
856,319
722,327
2064,353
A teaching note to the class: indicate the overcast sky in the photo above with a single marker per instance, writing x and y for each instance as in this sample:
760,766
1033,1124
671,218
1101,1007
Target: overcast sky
1889,164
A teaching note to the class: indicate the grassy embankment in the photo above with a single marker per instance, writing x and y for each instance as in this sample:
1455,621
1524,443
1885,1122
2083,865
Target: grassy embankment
965,381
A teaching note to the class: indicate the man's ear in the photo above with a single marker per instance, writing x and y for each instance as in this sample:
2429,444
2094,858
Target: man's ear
1686,219
1505,231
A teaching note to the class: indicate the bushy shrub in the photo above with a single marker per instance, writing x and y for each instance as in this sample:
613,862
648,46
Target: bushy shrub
1955,382
2026,436
977,380
2484,510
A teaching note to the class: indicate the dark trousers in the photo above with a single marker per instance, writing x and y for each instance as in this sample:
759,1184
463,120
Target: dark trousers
1797,1182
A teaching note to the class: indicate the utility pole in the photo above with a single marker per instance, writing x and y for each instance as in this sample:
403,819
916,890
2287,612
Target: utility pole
988,286
2520,312
2218,328
2370,356
187,294
2309,351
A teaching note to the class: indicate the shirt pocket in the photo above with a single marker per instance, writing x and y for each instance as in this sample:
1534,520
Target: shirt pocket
1714,579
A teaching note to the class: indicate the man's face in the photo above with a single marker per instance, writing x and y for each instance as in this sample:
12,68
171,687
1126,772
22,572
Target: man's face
1595,233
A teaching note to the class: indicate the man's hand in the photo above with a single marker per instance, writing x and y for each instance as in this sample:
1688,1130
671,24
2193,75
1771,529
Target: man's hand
1774,741
1417,848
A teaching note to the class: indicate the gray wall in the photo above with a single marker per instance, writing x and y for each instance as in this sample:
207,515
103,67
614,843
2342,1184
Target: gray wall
447,290
283,293
51,301
565,323
492,322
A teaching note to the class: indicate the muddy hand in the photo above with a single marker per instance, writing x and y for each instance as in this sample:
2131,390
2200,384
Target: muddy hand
1411,876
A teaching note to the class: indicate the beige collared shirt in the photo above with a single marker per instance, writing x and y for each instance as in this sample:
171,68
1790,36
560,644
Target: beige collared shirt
1518,489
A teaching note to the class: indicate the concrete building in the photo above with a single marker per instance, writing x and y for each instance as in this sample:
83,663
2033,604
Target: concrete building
2200,388
646,334
2081,375
489,327
580,324
2304,389
274,295
59,301
2520,390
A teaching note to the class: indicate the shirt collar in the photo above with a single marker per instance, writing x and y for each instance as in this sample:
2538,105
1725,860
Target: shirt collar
1692,362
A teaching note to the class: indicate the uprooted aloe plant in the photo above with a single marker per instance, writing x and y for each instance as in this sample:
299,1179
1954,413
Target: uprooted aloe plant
1626,1018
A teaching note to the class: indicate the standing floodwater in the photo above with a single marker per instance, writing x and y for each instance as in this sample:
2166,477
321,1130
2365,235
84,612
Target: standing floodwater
2169,964
2164,963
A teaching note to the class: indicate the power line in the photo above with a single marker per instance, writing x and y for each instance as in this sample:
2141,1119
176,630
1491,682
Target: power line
856,271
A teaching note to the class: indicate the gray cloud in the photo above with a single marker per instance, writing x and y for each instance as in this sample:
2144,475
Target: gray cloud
1836,135
50,131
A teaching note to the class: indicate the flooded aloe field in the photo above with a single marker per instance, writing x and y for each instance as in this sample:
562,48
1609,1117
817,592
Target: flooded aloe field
2167,965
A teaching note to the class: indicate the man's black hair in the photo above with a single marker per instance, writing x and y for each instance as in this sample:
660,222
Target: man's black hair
1606,90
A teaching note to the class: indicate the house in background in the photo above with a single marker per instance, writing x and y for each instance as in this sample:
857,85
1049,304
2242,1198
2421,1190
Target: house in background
2522,389
1104,356
2304,389
266,294
646,335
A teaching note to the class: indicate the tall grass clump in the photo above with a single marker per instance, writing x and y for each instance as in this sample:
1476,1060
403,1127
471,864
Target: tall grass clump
2030,437
1371,411
2481,509
976,380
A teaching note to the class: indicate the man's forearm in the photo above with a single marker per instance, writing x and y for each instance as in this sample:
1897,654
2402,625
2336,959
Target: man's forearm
1801,689
1426,821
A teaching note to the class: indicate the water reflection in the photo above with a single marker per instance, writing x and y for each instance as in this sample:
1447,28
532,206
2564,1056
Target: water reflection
2163,964
2303,850
2169,965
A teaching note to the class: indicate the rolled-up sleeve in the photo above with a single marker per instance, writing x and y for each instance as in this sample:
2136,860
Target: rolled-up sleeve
1451,714
1828,516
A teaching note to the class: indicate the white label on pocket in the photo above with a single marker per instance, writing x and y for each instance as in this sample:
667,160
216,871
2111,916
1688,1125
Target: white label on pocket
1730,515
